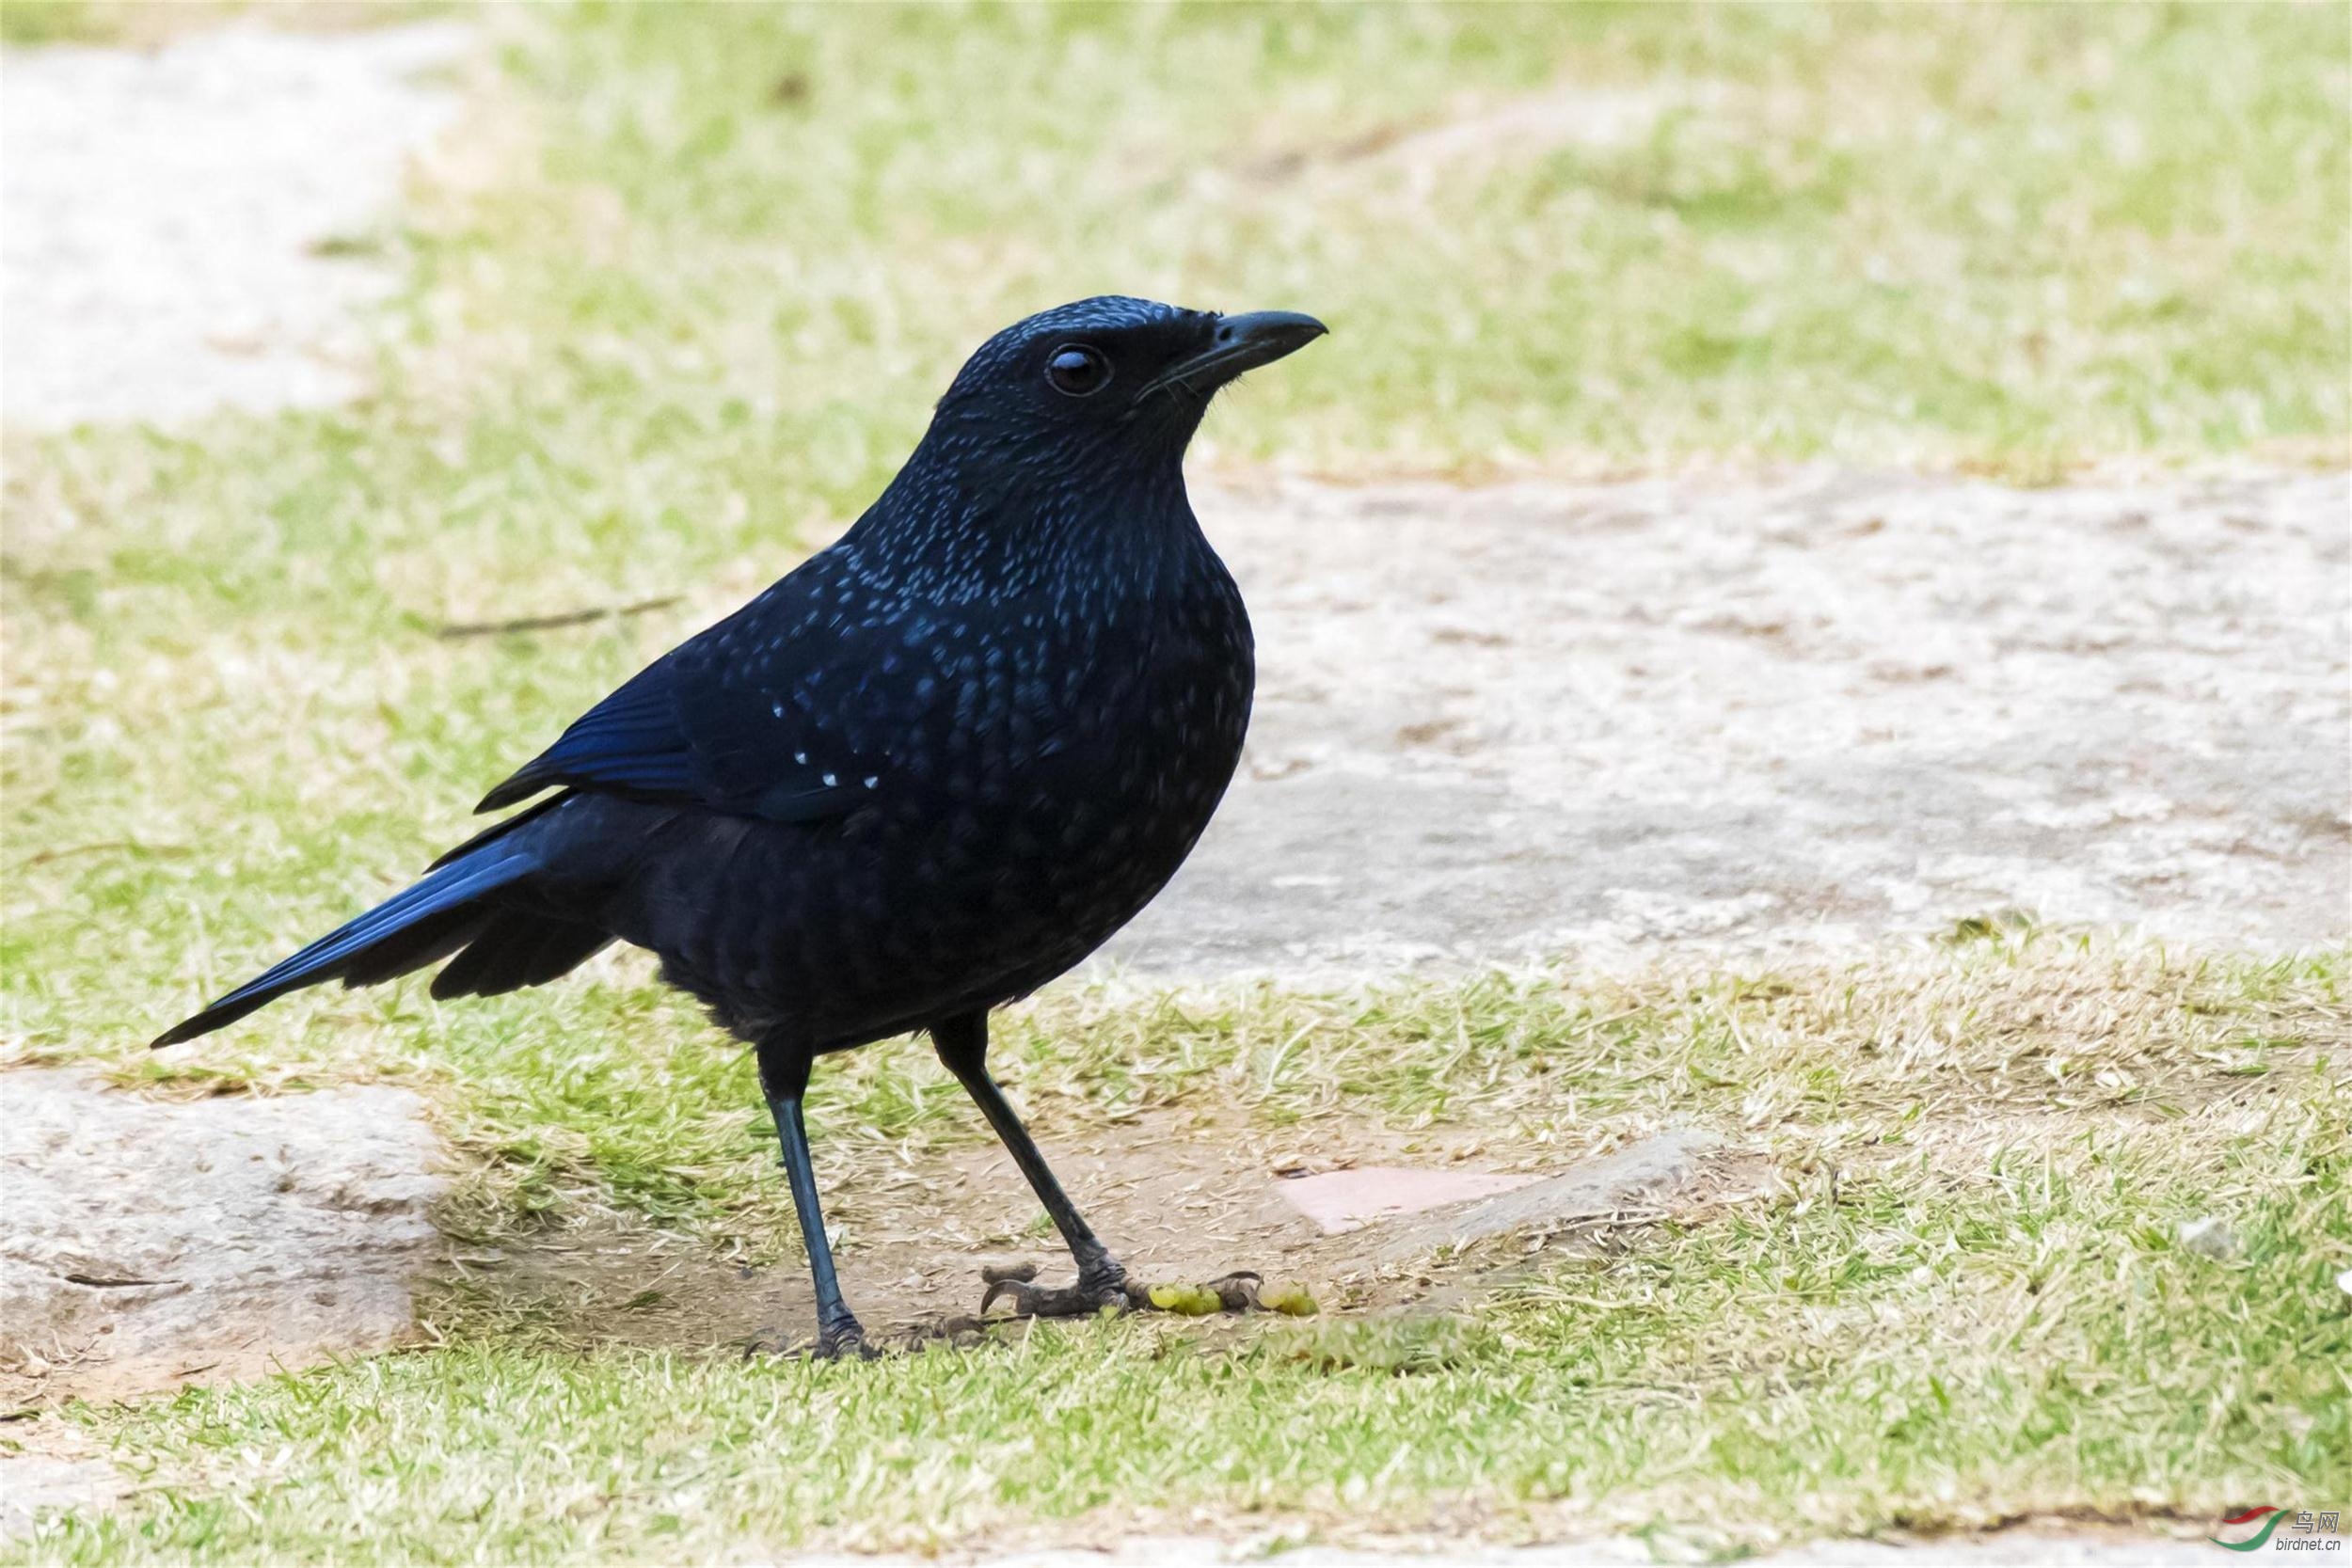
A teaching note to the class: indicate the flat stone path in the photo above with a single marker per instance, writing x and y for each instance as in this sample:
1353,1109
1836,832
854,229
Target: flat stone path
1809,712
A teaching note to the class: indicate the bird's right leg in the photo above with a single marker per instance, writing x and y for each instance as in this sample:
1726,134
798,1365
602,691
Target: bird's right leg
962,1045
784,1079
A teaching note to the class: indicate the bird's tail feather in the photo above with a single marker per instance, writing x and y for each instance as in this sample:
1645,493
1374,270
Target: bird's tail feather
428,921
515,948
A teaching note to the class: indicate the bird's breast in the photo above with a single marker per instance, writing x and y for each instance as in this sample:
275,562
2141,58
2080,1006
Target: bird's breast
1069,775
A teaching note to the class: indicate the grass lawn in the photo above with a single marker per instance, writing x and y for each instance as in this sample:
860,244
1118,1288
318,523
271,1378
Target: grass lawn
676,304
1955,1295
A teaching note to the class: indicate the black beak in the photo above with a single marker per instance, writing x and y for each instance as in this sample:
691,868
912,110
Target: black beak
1241,344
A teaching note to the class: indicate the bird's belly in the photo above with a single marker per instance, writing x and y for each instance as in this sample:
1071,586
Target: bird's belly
939,901
1001,897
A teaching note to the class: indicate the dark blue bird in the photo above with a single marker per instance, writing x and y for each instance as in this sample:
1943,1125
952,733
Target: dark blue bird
925,773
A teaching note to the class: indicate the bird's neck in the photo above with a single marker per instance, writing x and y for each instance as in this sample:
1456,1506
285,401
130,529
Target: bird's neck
1004,521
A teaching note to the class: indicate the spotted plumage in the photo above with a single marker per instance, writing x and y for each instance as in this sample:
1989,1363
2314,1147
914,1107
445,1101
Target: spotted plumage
928,771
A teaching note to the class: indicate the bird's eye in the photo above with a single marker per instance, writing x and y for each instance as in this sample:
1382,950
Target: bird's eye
1077,371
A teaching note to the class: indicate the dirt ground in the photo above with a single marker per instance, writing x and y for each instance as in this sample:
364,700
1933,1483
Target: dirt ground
1188,1199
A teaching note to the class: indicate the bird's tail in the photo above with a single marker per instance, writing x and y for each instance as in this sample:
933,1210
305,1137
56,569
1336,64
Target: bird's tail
452,907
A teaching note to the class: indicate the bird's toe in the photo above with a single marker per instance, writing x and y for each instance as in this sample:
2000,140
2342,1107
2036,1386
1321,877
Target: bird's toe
1102,1288
768,1341
836,1342
843,1340
1051,1301
1107,1289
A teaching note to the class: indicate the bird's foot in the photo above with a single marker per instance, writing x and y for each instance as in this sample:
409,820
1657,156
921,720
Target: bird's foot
836,1341
1101,1286
843,1342
1242,1291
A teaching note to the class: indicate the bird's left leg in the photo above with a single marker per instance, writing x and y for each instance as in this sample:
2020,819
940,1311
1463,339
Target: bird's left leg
962,1045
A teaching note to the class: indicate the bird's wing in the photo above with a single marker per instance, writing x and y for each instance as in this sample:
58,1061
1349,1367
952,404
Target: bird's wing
743,719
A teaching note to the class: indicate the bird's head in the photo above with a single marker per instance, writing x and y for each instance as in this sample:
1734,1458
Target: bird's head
1112,376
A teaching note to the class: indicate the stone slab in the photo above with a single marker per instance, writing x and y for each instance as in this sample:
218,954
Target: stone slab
144,1241
1624,1182
1343,1200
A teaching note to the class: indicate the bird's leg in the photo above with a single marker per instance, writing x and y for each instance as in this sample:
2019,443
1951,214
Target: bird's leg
962,1045
784,1079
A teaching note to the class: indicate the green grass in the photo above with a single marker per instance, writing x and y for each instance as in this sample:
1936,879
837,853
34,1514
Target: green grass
1955,1297
679,307
1958,1301
2014,238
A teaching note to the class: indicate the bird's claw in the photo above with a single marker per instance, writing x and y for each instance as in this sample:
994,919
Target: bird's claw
1103,1289
843,1345
998,1274
842,1342
1057,1301
1242,1291
1237,1292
